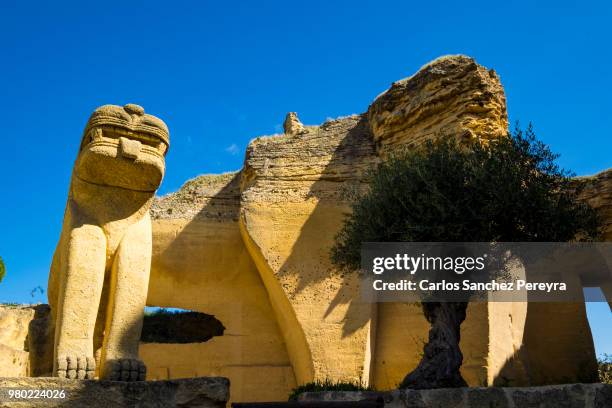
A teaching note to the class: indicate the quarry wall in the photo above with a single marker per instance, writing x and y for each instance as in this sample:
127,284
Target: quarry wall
252,249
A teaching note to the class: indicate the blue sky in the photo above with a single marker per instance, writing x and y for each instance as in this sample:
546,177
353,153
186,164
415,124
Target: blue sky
221,73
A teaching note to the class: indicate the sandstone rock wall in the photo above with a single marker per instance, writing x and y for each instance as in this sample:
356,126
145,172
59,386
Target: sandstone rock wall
597,192
200,263
273,225
14,324
252,249
292,205
26,344
294,200
451,95
558,344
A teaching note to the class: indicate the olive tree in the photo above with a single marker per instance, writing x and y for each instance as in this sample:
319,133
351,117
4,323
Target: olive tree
506,190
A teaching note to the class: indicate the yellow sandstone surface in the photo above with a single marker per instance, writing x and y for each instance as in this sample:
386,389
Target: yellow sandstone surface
451,95
252,248
201,263
597,191
14,326
292,205
260,240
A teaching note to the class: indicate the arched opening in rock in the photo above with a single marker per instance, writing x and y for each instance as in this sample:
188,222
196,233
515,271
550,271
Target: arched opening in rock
179,326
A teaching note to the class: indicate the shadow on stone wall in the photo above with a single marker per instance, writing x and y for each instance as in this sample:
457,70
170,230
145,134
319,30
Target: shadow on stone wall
40,342
209,198
354,154
180,327
160,327
542,360
200,263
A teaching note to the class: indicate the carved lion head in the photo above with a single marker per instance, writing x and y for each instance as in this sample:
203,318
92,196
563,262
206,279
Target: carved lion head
123,147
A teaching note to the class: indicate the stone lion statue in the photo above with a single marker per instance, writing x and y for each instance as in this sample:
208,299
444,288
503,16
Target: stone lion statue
100,270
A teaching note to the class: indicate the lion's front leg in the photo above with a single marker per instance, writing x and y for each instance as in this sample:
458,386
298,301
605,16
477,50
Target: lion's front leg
127,299
81,279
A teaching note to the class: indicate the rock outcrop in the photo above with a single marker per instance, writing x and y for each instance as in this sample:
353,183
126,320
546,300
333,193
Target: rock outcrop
26,342
14,325
294,196
597,192
252,249
262,238
452,96
293,202
292,125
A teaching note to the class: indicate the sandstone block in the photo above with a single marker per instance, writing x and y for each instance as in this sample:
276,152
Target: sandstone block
13,363
452,96
14,325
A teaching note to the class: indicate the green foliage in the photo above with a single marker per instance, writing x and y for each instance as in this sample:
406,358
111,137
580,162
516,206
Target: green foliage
605,368
510,190
163,312
327,385
2,269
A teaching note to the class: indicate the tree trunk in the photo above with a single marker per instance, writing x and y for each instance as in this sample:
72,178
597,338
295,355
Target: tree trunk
442,358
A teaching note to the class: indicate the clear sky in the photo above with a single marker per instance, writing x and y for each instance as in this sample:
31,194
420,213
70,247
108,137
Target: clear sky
221,73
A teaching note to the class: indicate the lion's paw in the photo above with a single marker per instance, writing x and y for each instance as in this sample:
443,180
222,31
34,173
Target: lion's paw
75,366
126,369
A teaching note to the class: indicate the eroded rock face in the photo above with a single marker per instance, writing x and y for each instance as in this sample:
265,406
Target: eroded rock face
452,96
597,192
270,227
292,124
14,323
26,343
294,198
213,197
293,202
201,263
